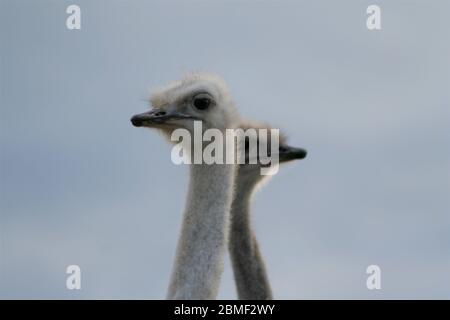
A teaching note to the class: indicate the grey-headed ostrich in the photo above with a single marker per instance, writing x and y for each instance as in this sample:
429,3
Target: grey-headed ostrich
248,265
202,243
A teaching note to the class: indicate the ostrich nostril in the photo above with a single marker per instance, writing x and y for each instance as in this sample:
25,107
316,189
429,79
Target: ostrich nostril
160,113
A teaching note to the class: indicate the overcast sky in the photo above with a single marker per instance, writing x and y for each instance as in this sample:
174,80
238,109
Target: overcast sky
80,185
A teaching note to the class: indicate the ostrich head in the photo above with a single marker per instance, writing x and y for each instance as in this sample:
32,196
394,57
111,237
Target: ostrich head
196,97
249,174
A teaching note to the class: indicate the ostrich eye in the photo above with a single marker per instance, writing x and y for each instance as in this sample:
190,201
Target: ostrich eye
202,101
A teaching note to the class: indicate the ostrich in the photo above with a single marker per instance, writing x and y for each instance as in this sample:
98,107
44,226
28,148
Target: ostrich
202,242
249,270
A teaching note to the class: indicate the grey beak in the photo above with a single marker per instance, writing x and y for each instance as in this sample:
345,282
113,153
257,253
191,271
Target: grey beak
156,116
288,153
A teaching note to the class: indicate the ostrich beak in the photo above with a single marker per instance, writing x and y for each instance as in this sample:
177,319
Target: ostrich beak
156,117
288,153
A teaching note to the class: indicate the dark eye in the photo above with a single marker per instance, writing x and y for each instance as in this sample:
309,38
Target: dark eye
202,103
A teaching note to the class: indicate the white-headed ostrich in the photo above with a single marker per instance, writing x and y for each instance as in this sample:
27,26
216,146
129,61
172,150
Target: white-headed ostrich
249,270
202,243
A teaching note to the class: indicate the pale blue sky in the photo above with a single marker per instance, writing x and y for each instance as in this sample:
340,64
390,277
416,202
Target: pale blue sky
80,185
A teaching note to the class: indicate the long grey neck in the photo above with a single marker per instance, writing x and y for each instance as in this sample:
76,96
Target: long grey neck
249,270
201,247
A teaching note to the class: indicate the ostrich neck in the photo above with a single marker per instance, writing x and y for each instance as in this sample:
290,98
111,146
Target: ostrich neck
249,270
202,243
